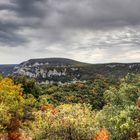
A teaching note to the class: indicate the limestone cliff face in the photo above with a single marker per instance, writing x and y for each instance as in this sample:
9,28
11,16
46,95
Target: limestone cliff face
55,69
35,72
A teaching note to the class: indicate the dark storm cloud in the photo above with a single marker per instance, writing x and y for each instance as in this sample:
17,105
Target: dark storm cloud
8,35
30,8
11,38
94,14
61,21
17,15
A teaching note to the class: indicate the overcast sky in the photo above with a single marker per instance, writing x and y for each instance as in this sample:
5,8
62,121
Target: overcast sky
96,31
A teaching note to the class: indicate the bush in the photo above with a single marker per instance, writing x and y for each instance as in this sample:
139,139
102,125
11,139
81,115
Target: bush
65,122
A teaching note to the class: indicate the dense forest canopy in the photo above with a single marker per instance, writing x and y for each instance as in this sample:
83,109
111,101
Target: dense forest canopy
99,109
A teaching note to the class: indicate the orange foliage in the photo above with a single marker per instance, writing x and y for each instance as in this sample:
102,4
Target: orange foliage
17,135
14,135
94,91
138,102
80,85
55,111
69,98
51,108
101,135
46,108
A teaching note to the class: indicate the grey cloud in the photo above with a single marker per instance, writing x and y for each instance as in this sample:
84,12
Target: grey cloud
26,14
71,25
12,39
30,8
95,14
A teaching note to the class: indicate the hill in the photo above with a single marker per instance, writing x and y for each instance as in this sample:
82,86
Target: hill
66,70
7,69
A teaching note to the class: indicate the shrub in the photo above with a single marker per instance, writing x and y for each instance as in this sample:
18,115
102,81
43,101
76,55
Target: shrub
70,122
120,121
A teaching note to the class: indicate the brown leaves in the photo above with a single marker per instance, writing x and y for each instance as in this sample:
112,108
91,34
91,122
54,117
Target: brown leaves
14,135
50,107
138,102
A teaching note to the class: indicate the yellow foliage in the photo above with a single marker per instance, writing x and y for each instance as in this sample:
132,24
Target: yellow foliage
7,84
11,101
67,121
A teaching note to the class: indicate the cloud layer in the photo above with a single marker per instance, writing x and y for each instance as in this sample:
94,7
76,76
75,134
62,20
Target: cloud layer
94,31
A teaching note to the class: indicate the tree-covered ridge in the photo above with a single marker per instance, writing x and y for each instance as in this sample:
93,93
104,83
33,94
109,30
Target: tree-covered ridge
99,109
61,70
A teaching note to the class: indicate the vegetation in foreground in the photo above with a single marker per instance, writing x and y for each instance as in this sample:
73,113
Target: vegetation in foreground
102,109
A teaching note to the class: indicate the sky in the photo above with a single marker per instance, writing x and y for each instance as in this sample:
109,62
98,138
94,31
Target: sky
93,31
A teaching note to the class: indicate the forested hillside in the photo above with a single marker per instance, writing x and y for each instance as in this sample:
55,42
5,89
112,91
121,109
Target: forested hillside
99,109
62,70
7,69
